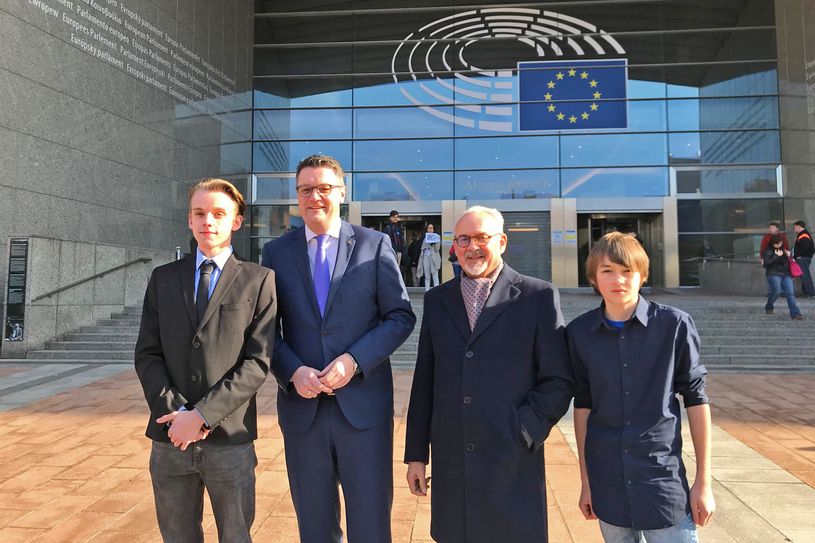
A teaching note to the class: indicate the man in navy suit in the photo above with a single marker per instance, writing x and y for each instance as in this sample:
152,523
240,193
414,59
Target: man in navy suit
343,309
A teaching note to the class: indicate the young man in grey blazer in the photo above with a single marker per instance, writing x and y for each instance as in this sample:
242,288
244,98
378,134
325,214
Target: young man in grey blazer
204,349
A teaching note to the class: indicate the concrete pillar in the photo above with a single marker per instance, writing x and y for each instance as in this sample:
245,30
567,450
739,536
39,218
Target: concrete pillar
563,217
450,212
670,241
355,212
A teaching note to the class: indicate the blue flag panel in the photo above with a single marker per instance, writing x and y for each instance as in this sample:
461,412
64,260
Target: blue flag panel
573,95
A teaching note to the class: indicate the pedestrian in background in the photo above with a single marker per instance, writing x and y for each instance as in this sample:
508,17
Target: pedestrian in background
802,251
430,260
777,267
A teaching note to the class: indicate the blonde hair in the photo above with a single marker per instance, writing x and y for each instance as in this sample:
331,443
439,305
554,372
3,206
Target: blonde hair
214,184
622,249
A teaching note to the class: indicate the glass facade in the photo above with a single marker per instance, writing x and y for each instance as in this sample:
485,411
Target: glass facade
423,103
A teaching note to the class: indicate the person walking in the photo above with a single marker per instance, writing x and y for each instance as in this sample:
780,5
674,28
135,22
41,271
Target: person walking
430,260
802,251
777,265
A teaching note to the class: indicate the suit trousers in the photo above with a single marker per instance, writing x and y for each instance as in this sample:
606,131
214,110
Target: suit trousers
179,478
332,452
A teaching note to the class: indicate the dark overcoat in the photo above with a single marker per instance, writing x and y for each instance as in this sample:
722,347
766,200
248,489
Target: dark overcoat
472,393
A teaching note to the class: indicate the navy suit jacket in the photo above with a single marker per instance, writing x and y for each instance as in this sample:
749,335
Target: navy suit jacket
367,314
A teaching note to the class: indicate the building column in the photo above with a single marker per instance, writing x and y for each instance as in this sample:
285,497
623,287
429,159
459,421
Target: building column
670,241
451,210
355,212
563,218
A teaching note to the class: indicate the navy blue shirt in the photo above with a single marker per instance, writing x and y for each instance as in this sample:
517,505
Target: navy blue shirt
629,378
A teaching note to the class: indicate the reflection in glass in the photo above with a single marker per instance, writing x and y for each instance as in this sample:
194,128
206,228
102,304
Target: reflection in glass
515,152
726,181
403,155
275,188
613,182
402,122
275,220
302,124
506,184
403,186
723,113
731,215
693,247
613,150
275,156
738,147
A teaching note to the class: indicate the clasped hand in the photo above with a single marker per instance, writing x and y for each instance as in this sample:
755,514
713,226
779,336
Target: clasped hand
185,427
310,382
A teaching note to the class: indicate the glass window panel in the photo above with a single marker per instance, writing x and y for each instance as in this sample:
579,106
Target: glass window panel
732,215
293,124
507,152
613,150
304,60
403,155
723,113
384,91
692,247
739,79
641,88
403,186
719,45
275,220
402,122
646,115
725,147
737,180
613,182
276,188
304,92
275,156
506,184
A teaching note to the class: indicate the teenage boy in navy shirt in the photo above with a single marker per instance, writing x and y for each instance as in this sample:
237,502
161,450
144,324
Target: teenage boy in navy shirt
630,358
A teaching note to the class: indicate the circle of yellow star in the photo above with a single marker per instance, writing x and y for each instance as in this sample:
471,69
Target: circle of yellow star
547,96
572,72
559,75
551,107
594,107
572,119
560,116
584,75
551,84
597,95
592,83
584,115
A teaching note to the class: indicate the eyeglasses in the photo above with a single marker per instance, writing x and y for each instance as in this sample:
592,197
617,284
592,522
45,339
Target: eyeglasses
480,239
322,190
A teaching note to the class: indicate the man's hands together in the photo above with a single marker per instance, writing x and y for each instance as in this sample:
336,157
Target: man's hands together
310,382
185,427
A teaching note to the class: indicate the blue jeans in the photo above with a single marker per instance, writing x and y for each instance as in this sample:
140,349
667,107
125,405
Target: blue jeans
777,283
807,288
179,478
684,532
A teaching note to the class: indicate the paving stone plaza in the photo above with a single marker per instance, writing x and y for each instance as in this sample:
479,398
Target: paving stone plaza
73,459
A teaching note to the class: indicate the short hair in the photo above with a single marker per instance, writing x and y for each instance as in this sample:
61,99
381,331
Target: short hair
802,224
321,161
774,223
214,184
621,249
393,213
776,238
482,210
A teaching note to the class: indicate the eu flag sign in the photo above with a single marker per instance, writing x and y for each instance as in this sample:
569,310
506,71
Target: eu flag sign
573,94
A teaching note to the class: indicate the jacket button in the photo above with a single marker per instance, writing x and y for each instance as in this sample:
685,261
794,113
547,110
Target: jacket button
196,345
467,400
470,447
194,378
469,354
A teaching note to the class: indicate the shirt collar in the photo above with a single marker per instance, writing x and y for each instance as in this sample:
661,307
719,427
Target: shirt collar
219,260
333,231
640,313
491,277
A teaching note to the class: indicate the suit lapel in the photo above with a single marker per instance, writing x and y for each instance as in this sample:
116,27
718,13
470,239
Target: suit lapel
345,249
454,303
187,279
231,270
502,294
299,249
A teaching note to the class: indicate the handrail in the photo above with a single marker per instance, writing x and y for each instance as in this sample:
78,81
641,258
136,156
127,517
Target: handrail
751,254
144,259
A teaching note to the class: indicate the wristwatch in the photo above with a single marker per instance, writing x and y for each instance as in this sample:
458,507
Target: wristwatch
357,369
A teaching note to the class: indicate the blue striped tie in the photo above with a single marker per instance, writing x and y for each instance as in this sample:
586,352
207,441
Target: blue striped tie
322,275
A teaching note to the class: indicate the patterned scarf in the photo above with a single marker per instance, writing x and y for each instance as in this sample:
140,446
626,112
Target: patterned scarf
475,293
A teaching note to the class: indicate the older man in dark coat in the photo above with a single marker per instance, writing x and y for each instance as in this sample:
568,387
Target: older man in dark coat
491,379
